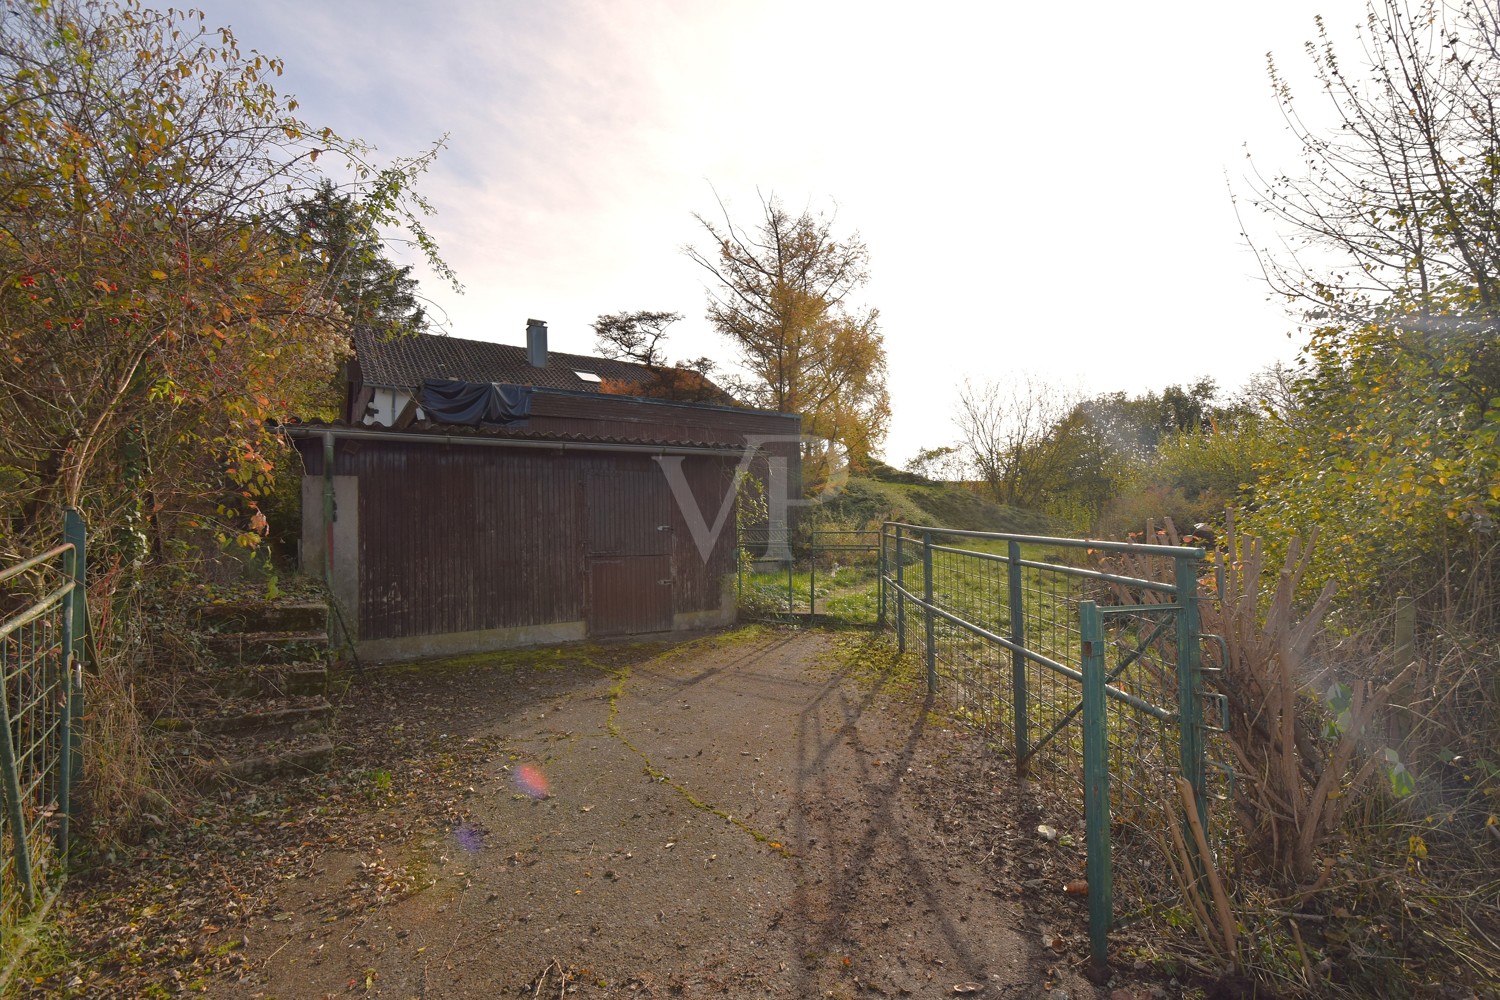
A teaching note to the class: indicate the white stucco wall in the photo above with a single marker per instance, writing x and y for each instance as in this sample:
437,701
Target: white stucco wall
386,407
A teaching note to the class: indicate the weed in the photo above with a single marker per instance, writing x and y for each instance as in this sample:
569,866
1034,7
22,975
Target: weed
41,948
380,784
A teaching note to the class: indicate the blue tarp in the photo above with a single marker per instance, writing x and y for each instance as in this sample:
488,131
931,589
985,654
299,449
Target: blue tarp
449,401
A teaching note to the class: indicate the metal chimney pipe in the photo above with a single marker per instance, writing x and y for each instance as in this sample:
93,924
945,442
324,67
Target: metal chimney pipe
536,342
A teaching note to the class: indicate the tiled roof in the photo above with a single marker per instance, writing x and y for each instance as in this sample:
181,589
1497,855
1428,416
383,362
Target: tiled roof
404,362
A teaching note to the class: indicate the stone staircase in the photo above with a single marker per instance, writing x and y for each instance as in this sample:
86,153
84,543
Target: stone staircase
260,710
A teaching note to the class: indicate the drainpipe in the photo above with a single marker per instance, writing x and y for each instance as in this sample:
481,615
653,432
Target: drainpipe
328,509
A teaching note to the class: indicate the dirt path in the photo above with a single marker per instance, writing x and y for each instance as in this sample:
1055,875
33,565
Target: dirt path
751,814
744,819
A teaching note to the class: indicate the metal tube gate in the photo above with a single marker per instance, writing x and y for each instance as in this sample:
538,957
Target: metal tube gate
42,635
1091,678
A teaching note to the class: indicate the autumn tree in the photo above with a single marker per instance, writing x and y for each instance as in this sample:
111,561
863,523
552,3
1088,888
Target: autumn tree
1385,242
781,293
1387,246
155,311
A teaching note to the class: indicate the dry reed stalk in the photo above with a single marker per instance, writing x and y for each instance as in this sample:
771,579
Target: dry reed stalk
1181,862
1206,858
1289,774
1307,972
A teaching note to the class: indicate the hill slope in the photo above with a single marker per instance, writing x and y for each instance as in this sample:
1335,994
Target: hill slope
889,494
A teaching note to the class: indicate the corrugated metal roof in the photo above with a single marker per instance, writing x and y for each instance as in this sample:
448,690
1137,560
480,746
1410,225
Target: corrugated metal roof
403,362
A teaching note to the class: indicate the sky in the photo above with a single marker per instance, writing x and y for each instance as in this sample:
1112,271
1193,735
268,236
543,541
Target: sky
1045,190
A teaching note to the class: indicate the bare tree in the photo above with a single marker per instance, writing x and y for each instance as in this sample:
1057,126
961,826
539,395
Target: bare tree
1396,212
1010,433
1272,391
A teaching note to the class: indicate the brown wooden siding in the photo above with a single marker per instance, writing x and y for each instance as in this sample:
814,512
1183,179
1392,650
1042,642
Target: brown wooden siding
457,538
698,580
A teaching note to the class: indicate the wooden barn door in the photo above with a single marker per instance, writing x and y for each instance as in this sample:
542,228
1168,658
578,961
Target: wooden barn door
628,551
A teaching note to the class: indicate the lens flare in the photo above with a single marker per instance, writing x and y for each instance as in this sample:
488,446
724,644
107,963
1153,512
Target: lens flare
531,782
469,837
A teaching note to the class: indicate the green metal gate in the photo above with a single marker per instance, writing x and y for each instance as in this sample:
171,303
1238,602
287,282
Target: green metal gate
823,575
42,635
1090,677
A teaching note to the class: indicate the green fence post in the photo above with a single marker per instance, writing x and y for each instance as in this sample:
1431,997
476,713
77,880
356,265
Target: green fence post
62,676
900,595
812,580
75,533
329,509
883,568
1098,867
927,607
791,598
1018,695
1190,683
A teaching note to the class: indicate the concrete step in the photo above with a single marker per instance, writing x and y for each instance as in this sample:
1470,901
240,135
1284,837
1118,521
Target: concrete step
269,680
253,719
308,753
264,616
271,719
242,648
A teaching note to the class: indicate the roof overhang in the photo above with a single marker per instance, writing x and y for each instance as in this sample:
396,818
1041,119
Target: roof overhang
343,433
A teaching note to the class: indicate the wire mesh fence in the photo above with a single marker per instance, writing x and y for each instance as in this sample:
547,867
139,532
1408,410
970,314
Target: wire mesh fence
42,625
827,575
1080,659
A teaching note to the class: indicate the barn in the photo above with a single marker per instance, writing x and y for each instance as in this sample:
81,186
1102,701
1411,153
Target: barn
477,496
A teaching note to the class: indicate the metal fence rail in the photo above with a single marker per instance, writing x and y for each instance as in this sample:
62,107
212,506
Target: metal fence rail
42,633
1089,677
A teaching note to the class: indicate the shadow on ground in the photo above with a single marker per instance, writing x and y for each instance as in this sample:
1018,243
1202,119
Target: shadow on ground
752,814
